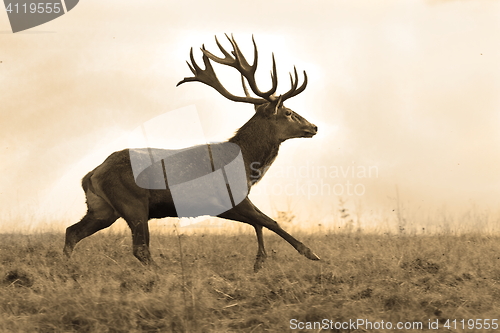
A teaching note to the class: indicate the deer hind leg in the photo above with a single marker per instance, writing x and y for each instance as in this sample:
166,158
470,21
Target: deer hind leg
140,240
136,215
99,215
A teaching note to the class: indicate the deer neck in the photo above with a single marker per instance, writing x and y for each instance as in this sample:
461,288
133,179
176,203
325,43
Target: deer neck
259,147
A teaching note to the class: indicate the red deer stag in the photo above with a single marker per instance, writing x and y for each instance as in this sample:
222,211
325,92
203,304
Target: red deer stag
114,190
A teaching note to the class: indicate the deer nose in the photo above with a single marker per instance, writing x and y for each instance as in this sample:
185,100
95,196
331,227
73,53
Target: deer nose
315,128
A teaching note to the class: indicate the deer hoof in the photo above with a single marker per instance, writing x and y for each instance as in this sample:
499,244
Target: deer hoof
257,266
311,255
305,251
259,262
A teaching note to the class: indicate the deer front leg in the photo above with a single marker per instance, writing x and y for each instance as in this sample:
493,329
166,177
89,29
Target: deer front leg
246,212
272,225
261,252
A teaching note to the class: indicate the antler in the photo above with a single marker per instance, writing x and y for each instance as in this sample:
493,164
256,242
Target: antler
239,62
209,77
247,71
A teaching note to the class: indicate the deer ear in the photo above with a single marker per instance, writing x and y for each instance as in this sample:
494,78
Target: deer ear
279,103
269,108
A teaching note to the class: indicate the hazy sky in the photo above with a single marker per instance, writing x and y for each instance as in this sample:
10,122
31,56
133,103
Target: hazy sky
408,90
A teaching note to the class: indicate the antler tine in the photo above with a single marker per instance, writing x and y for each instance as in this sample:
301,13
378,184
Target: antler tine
227,60
255,53
240,58
274,78
294,82
194,69
294,91
245,89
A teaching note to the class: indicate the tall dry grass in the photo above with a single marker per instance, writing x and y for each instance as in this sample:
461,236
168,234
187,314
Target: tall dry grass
212,288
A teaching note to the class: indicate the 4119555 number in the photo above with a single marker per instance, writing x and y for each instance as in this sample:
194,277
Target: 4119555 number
471,324
40,8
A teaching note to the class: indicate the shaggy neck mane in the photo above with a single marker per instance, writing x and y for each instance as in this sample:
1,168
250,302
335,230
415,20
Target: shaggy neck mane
259,146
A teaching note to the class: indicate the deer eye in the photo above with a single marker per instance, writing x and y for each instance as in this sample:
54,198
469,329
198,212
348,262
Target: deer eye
288,113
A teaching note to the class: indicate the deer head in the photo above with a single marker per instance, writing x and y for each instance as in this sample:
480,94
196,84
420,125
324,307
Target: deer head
269,108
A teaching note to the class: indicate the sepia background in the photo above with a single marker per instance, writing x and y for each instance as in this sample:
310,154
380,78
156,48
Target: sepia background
405,95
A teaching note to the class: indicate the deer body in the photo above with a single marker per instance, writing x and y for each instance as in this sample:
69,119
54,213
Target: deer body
113,192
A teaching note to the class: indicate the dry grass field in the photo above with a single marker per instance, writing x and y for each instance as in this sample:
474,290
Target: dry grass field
205,283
